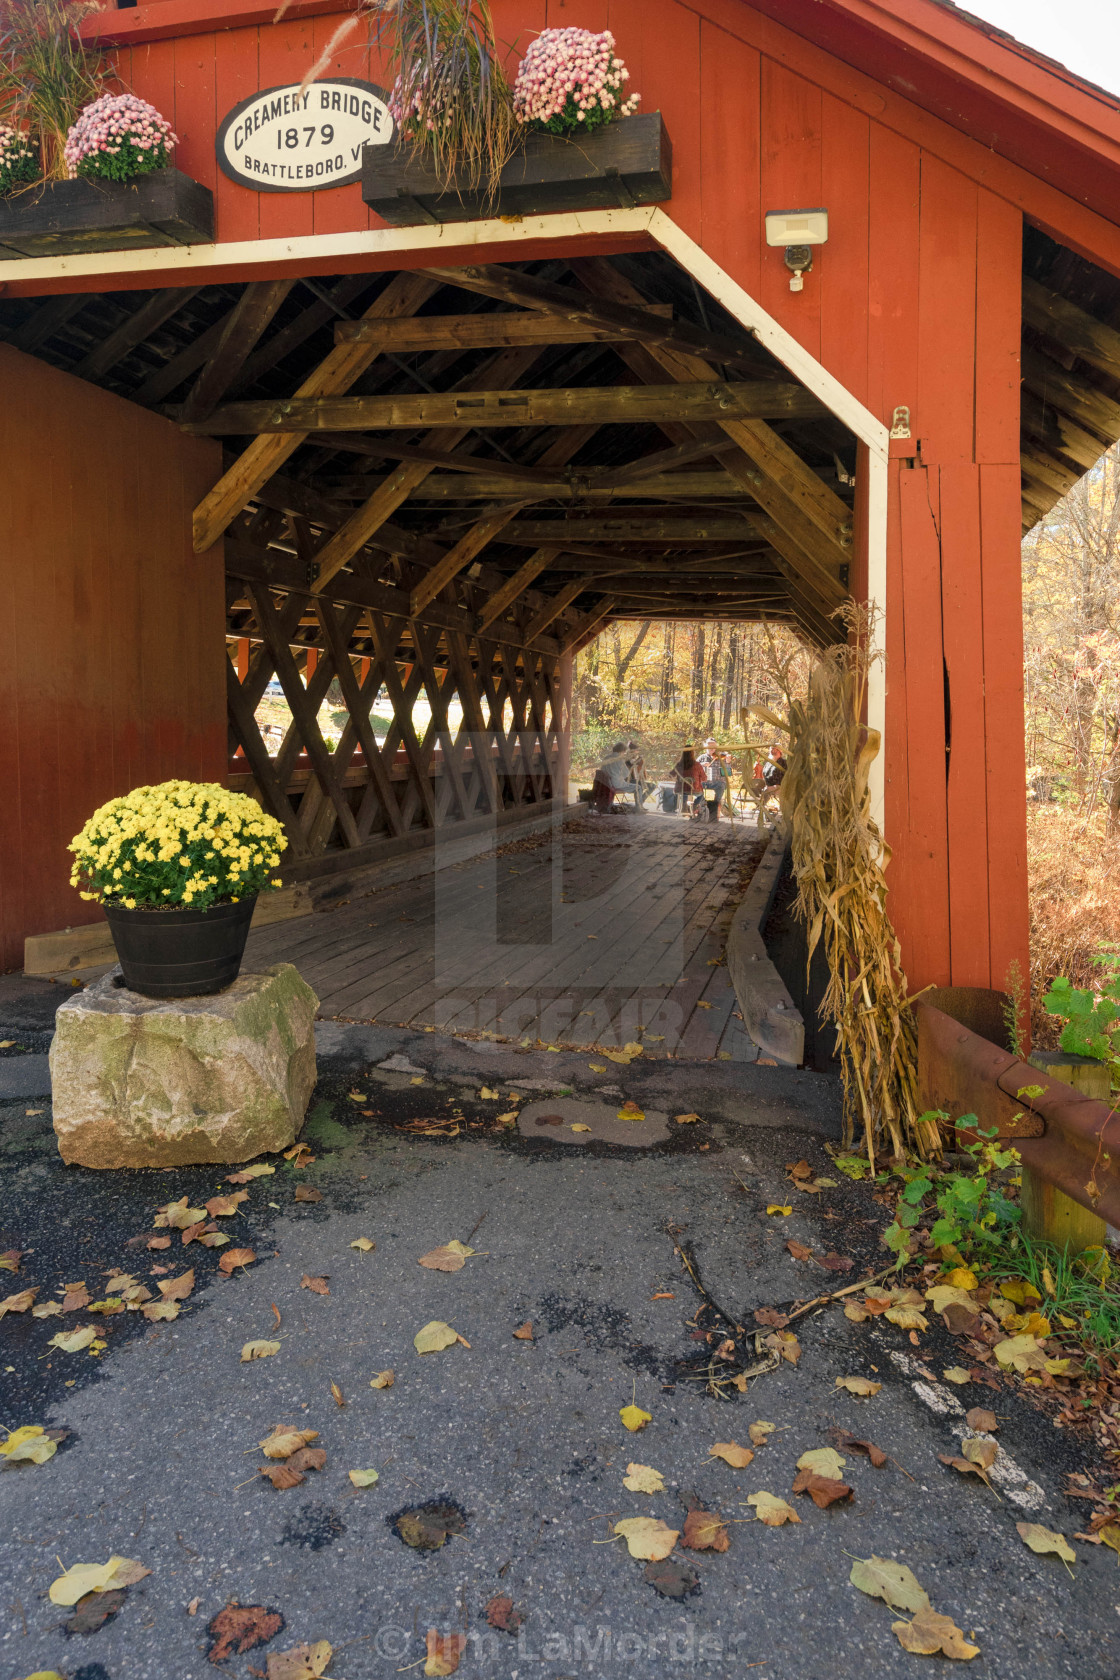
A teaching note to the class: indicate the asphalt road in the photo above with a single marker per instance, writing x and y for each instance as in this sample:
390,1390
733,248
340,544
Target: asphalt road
522,1436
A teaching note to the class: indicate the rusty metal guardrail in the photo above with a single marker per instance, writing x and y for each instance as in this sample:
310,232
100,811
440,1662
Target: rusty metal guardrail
1063,1136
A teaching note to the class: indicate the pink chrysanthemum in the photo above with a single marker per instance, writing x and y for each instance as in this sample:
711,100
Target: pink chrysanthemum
117,138
571,81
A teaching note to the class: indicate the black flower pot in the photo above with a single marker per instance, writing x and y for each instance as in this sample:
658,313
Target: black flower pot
181,953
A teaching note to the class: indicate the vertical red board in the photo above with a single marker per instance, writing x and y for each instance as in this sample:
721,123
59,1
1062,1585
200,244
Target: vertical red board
730,151
338,209
963,632
892,247
1005,768
999,326
791,180
669,81
196,107
840,269
947,312
236,77
918,831
286,51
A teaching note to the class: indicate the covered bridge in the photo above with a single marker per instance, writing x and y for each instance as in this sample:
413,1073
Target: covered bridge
436,453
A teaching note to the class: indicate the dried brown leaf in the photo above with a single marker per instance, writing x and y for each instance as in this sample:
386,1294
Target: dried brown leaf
524,1332
705,1531
317,1285
732,1453
305,1193
930,1633
220,1207
501,1614
176,1289
823,1490
240,1627
235,1257
980,1419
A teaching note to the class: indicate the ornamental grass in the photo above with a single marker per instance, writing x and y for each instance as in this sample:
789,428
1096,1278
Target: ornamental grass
839,858
47,74
174,845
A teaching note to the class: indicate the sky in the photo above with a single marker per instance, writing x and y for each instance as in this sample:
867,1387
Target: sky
1084,35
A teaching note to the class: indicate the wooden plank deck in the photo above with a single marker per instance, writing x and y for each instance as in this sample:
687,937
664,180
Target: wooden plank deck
602,931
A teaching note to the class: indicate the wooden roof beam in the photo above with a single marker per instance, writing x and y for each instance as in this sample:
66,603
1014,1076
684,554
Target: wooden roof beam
138,326
691,403
335,374
1086,404
246,324
460,487
502,598
793,491
1060,434
1079,333
490,331
681,531
636,322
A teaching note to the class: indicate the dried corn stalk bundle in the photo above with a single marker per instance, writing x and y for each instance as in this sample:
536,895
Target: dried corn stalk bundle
839,858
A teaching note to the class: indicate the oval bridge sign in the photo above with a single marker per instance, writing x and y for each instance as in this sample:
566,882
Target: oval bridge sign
282,140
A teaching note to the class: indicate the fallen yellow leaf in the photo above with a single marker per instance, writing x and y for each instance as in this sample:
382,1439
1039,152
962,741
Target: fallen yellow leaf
774,1512
647,1537
858,1385
776,1207
363,1478
383,1379
732,1453
643,1478
823,1461
1043,1540
634,1418
83,1578
435,1336
956,1374
258,1350
685,1119
29,1445
451,1257
579,1127
364,1244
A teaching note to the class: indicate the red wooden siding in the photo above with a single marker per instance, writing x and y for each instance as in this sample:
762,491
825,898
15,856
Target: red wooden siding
112,672
914,300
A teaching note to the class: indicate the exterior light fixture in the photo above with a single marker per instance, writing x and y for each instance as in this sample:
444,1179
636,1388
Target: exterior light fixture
798,231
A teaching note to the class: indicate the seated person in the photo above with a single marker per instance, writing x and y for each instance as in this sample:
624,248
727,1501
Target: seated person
637,765
714,764
689,779
774,768
610,778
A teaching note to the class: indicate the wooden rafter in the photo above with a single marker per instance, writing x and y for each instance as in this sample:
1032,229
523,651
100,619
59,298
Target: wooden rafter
244,325
635,322
480,332
138,326
811,514
686,403
336,373
502,598
389,494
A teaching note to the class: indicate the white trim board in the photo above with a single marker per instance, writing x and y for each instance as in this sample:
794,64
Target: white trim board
381,245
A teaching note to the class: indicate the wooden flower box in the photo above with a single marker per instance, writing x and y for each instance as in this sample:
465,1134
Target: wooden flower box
64,217
626,163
